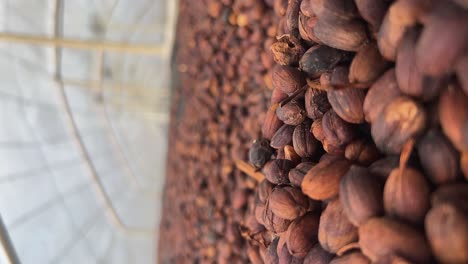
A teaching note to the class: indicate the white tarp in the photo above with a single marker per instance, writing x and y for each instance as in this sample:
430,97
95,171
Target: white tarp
50,204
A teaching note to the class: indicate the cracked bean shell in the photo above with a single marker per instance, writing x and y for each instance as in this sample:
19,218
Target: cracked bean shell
401,120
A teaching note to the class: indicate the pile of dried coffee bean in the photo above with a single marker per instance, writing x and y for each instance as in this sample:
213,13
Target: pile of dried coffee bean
223,63
364,148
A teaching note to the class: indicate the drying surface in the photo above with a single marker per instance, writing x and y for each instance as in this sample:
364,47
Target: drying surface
50,204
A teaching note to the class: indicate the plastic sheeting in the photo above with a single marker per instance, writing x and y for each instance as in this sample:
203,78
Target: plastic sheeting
83,132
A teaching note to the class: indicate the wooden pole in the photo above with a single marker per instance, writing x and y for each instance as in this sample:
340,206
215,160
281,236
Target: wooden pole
81,44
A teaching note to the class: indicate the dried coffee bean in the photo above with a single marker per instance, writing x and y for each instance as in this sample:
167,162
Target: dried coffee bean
334,9
277,96
290,154
317,129
273,222
401,120
292,113
260,153
276,171
335,230
282,137
464,164
292,17
361,195
398,19
332,149
306,8
353,257
441,44
264,189
447,232
373,11
438,157
453,115
287,79
380,237
462,73
271,123
367,65
336,131
253,254
286,258
405,185
410,79
348,104
362,151
306,28
288,202
317,255
381,93
323,180
383,167
271,257
325,81
316,103
304,142
343,35
452,193
302,235
297,174
339,77
319,59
